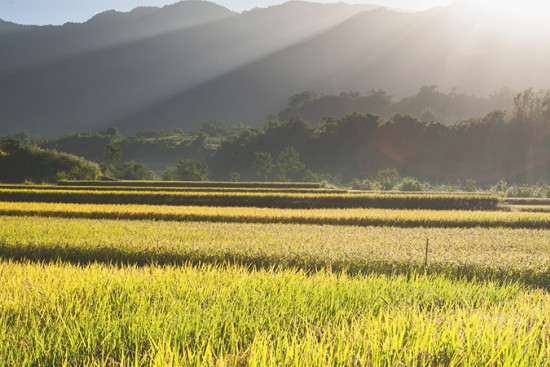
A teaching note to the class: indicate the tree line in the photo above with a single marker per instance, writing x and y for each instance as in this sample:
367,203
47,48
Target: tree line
501,145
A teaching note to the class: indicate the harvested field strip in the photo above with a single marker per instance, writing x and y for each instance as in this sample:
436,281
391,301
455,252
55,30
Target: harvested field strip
303,185
526,201
274,200
499,254
172,189
59,314
341,217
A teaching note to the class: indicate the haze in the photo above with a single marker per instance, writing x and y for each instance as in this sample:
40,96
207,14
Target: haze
177,65
57,12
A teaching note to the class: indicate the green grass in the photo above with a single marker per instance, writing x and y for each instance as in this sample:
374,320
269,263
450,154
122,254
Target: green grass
63,315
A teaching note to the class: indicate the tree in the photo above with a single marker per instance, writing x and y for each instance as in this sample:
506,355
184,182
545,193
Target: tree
134,171
169,175
192,170
10,146
234,176
112,132
262,164
289,162
387,178
429,115
112,152
470,185
410,184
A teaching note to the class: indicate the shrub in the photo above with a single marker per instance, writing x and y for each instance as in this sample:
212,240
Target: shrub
356,184
20,164
410,184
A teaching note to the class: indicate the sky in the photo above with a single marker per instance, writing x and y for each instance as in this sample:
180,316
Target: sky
61,11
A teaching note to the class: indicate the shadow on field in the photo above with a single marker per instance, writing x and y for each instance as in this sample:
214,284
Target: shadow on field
538,278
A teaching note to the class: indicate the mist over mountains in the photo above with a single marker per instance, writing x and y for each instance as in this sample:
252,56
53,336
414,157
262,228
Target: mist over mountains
192,61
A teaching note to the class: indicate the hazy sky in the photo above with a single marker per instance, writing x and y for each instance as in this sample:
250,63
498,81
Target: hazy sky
62,11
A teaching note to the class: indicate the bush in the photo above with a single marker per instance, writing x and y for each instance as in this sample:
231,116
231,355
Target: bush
192,170
133,171
311,176
410,184
20,164
356,184
387,179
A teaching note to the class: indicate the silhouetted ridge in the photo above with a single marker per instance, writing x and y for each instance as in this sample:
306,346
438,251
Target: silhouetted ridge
194,60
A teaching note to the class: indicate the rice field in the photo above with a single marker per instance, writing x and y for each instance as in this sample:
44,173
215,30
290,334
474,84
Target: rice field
340,217
441,201
66,315
490,254
223,184
241,285
176,189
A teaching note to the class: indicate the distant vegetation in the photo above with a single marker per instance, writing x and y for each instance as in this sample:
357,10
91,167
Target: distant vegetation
20,164
364,151
429,104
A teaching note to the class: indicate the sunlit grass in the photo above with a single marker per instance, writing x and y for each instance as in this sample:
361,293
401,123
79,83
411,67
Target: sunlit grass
347,217
210,316
499,254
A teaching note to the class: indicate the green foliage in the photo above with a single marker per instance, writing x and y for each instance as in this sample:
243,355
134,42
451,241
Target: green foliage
514,145
366,184
218,129
411,184
234,177
500,188
470,185
311,176
288,163
192,170
133,171
20,164
262,164
169,175
387,179
112,153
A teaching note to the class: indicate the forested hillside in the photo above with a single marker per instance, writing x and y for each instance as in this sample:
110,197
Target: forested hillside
510,145
194,61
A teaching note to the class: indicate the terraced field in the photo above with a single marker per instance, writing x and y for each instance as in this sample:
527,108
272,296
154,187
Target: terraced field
166,285
307,200
344,217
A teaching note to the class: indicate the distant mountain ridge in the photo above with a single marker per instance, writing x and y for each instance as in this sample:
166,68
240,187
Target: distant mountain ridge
194,60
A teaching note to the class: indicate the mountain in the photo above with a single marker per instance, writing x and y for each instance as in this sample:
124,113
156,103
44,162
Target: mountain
90,75
194,60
